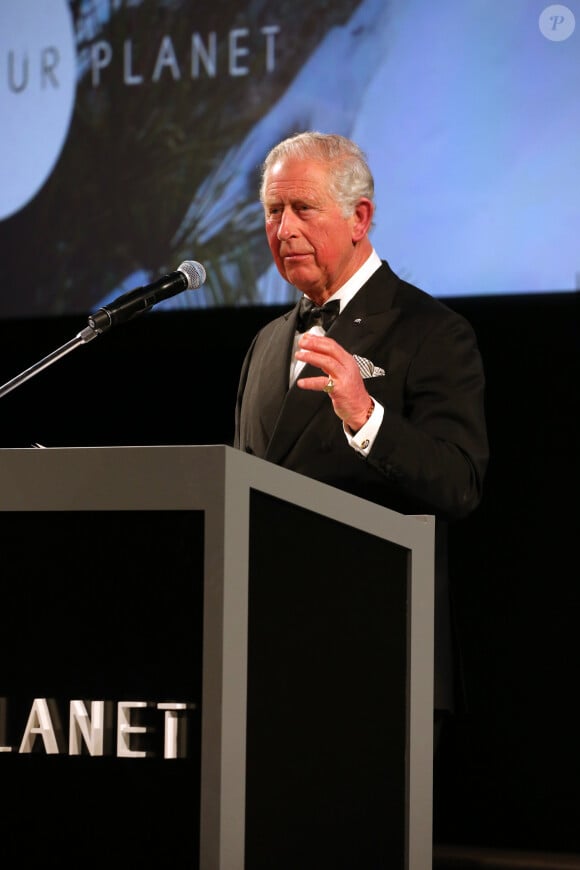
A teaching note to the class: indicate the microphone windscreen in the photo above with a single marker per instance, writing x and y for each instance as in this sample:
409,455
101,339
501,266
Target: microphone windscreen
194,272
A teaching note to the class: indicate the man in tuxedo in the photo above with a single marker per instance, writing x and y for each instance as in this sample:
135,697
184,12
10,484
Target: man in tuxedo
385,400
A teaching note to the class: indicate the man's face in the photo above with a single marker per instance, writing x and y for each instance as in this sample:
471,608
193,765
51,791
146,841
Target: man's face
311,242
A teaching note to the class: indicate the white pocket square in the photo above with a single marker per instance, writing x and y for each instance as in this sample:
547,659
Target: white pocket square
367,368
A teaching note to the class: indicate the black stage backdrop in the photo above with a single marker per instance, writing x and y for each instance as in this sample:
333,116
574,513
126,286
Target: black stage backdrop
509,765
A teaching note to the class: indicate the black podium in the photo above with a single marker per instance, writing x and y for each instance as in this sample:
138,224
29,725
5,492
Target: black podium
210,662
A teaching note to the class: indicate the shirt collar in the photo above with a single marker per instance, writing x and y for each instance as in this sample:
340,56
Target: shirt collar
345,293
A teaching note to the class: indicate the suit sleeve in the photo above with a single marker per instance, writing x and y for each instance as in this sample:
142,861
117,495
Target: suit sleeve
240,393
435,447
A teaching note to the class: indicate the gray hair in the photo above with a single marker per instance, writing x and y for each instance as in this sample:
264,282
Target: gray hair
349,175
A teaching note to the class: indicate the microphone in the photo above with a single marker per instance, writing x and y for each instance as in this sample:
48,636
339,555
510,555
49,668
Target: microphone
189,276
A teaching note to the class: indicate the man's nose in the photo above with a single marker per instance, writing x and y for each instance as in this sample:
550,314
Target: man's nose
287,226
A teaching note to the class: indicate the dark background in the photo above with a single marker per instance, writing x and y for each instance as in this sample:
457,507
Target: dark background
508,771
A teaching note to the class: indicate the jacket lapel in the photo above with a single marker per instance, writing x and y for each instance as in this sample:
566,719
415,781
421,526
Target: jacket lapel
275,368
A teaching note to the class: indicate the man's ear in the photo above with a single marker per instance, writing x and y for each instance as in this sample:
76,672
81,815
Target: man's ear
362,218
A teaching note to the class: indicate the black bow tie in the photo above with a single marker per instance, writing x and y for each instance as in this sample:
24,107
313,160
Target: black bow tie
310,314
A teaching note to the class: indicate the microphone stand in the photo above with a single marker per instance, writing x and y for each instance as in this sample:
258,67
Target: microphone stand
83,337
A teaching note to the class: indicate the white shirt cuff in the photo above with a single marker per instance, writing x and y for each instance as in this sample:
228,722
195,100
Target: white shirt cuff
363,440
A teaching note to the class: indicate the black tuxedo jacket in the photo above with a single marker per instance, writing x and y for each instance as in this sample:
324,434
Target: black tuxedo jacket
431,453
